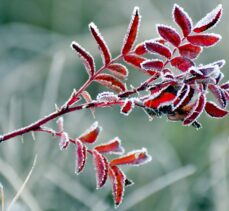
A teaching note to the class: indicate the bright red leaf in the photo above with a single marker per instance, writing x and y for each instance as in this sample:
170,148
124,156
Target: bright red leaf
86,57
127,107
91,134
140,49
101,43
205,40
132,32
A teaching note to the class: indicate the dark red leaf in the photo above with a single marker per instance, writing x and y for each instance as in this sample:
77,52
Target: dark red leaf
169,34
182,19
118,179
156,47
91,134
219,94
138,157
215,111
81,156
113,146
127,107
73,99
101,168
86,57
140,49
182,63
210,20
156,90
111,82
101,43
205,40
188,98
168,74
132,32
225,86
166,98
196,111
155,64
118,70
190,51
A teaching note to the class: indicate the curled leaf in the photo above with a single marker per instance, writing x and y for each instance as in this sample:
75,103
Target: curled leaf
215,111
91,134
132,32
197,109
101,43
137,157
64,141
81,156
210,20
86,57
218,94
111,82
113,147
101,167
107,96
182,19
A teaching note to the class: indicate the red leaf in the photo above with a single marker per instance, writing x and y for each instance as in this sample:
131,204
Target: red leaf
101,167
86,57
164,99
210,20
169,34
157,89
219,94
118,70
111,82
140,49
87,98
225,86
214,111
190,51
137,157
205,40
118,179
197,110
155,64
168,74
91,134
182,19
188,98
113,146
181,96
127,107
81,156
182,63
101,43
132,32
156,47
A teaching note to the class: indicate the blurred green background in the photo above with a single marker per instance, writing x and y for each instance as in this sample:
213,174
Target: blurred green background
189,170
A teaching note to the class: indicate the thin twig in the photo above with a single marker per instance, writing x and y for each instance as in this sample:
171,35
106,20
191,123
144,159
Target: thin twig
23,185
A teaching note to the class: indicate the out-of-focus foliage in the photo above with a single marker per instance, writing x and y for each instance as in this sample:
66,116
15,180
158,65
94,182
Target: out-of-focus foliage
189,169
